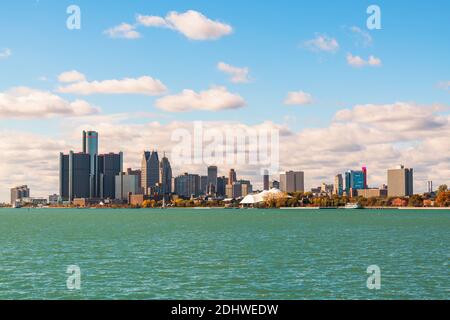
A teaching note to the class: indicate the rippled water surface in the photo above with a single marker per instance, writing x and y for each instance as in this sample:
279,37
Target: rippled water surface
224,254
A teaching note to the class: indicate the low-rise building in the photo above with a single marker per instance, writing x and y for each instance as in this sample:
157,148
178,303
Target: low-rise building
373,192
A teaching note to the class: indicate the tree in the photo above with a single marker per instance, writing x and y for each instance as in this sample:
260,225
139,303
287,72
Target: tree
443,199
442,188
415,201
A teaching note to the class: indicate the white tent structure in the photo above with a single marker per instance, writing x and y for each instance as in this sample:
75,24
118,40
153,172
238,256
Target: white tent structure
251,199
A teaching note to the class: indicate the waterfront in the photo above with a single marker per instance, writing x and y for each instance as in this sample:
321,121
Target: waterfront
224,254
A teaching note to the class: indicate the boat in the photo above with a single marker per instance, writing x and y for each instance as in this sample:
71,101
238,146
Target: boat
353,206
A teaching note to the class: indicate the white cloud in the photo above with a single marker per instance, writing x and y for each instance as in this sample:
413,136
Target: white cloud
322,43
238,75
71,76
298,98
192,24
23,102
143,85
124,30
357,61
5,53
362,36
152,21
214,99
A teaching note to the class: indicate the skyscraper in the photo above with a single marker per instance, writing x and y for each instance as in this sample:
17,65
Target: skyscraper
231,177
364,170
292,181
74,175
354,180
400,182
90,146
203,184
109,166
221,184
145,171
150,170
266,180
211,183
338,185
187,185
165,176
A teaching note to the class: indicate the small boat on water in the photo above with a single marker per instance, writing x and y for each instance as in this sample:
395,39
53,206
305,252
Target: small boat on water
353,206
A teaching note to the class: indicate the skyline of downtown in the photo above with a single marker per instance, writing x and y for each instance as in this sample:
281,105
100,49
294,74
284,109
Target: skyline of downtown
334,112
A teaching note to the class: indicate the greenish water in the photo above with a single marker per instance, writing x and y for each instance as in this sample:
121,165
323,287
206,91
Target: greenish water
224,254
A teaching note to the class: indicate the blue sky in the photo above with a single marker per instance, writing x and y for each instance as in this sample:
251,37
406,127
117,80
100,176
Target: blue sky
268,38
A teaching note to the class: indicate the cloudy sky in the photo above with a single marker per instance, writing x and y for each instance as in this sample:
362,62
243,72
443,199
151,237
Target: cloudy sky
340,95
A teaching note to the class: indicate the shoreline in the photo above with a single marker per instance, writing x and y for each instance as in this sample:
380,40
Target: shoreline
229,208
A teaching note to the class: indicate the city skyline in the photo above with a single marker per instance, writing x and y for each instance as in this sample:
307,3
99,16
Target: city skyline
341,95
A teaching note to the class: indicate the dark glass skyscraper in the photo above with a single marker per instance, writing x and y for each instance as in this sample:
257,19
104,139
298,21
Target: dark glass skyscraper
150,170
90,146
211,183
74,175
109,166
165,175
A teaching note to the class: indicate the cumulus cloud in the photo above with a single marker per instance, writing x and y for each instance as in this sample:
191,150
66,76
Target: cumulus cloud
213,99
192,24
145,85
5,53
71,76
322,43
298,98
238,75
123,30
357,61
24,102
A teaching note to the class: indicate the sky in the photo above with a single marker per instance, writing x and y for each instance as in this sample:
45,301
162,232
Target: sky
340,95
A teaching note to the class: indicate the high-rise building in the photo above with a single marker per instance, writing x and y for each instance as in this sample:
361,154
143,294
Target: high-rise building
90,146
338,188
212,177
126,184
165,176
266,180
138,173
246,187
18,193
221,183
234,190
354,180
109,166
231,177
400,182
150,170
203,184
187,185
364,170
74,175
292,181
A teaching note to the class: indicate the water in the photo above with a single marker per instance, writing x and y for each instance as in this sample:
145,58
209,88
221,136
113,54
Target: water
224,254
